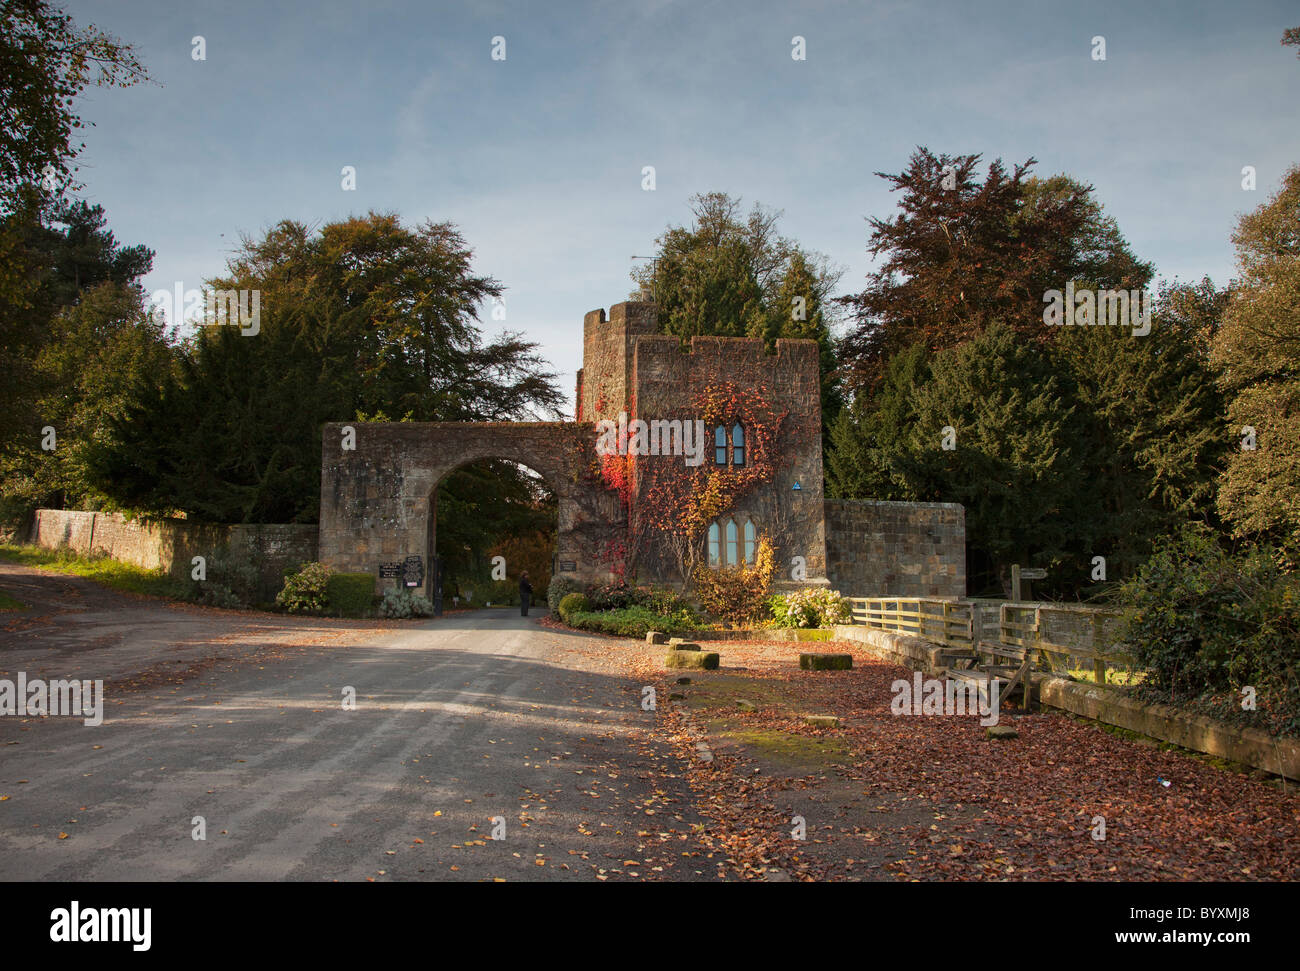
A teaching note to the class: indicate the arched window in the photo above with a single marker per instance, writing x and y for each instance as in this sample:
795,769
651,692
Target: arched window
729,448
732,545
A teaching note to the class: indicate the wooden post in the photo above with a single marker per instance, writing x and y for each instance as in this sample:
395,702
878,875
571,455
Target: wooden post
976,626
1015,583
946,610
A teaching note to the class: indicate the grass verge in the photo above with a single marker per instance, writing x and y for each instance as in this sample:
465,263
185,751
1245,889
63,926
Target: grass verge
102,570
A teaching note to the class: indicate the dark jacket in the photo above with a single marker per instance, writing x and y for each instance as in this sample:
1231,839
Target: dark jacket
525,588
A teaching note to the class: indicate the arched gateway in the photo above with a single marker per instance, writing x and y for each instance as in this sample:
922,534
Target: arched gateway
377,495
740,398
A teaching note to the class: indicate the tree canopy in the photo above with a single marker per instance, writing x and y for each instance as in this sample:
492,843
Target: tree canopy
46,62
367,320
963,252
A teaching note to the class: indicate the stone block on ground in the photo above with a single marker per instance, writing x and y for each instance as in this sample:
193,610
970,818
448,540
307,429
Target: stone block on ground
707,660
821,721
656,637
1001,731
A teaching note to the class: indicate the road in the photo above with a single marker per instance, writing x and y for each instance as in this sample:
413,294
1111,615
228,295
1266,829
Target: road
239,719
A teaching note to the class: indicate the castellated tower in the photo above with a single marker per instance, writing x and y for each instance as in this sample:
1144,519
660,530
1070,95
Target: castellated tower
629,367
608,351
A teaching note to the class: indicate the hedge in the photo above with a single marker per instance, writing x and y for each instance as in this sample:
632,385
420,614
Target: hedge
351,594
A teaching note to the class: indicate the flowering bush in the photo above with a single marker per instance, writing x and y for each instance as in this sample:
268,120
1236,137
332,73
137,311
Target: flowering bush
812,607
305,591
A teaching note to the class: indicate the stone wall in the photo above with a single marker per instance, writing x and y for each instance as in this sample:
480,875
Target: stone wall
171,544
903,549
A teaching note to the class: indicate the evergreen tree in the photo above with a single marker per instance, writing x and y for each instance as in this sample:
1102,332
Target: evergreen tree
1000,404
733,276
1151,440
77,304
872,428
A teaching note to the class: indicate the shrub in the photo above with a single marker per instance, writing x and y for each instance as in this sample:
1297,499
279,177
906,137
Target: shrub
229,582
813,607
559,586
305,591
501,593
351,594
1203,619
614,596
573,603
737,594
401,603
635,621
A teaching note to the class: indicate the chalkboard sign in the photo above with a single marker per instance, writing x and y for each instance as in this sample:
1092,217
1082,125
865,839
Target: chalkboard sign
390,571
568,566
413,571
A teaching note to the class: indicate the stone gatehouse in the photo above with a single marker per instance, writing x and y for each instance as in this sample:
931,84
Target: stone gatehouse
640,496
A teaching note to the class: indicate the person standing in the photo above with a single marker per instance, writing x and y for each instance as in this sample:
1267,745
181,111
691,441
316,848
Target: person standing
525,594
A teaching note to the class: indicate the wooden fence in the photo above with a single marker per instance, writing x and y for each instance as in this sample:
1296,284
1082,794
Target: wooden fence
1063,639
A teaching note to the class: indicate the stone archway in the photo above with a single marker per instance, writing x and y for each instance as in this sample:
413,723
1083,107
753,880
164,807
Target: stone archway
376,497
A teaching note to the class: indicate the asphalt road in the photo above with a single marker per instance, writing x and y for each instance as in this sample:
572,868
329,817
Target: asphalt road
458,721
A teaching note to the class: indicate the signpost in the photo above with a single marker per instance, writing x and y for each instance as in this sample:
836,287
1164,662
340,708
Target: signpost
413,571
1026,573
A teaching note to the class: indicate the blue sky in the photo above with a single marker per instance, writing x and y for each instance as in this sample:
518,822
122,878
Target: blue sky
538,158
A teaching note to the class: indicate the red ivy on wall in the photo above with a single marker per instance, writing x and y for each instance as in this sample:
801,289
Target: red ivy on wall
682,499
